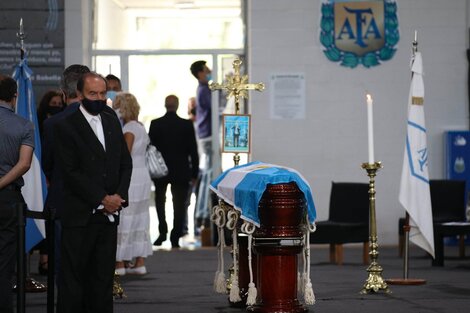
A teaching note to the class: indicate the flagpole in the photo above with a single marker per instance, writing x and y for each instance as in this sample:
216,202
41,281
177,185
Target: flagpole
20,286
406,228
30,284
21,35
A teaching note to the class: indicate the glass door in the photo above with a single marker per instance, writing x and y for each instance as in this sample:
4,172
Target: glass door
153,77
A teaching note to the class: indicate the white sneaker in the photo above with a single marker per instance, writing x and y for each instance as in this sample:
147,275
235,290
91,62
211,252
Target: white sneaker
141,270
120,271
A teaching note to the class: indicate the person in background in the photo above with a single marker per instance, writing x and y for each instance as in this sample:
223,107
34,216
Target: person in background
174,137
192,110
114,83
194,188
133,241
202,73
96,167
51,104
17,142
113,87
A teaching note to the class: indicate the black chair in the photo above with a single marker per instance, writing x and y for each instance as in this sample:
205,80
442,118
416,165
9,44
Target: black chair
348,220
448,211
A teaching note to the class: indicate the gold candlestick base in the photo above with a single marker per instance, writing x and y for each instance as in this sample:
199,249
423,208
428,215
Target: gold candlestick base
118,291
374,282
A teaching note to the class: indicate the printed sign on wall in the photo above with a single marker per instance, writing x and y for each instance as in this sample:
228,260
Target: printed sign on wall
44,43
357,32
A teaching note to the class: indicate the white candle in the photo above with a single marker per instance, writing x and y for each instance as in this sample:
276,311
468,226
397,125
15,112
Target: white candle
370,129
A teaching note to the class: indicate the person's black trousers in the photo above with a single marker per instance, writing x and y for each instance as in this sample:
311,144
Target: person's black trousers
179,192
9,199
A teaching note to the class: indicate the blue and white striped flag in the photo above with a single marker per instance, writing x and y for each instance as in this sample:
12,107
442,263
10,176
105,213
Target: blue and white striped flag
243,186
415,195
34,190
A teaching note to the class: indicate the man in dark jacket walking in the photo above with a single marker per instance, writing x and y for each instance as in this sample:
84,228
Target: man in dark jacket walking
174,137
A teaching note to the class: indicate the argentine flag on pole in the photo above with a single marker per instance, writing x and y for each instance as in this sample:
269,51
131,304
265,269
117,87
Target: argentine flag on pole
415,194
34,189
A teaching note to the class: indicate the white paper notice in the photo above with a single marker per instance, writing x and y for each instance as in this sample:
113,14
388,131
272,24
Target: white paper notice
287,96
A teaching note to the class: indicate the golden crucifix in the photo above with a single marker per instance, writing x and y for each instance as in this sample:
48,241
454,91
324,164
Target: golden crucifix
237,85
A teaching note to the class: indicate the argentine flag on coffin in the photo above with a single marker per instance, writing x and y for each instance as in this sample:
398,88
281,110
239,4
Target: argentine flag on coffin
243,186
415,195
34,189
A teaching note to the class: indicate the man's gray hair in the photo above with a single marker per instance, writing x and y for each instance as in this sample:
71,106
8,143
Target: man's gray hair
70,77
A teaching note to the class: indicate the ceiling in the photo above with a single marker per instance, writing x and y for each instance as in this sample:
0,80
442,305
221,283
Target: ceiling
181,4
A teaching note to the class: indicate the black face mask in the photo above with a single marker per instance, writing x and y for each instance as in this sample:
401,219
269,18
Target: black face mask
193,111
94,107
54,110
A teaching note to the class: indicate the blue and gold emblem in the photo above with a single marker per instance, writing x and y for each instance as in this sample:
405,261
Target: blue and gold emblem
357,32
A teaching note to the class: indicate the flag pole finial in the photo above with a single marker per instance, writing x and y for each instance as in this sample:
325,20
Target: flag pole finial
415,43
21,35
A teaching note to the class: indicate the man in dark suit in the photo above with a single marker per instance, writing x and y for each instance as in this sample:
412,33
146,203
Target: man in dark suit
50,166
96,168
174,137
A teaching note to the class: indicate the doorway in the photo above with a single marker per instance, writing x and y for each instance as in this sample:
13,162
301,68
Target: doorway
153,76
150,46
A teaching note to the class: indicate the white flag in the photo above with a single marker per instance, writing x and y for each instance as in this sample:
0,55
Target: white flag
415,194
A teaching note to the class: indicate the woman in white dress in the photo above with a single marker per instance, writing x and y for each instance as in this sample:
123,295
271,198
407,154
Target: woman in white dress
133,242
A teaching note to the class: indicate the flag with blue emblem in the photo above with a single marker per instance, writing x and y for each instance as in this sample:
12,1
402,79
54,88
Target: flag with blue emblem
415,195
243,186
34,190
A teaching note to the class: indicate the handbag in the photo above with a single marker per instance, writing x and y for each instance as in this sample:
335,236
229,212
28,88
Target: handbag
155,162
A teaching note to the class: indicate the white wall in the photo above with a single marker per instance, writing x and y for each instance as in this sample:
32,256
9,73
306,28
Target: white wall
112,24
80,25
331,142
78,31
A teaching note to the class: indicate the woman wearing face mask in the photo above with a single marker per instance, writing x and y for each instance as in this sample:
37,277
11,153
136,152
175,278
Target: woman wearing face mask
133,241
51,104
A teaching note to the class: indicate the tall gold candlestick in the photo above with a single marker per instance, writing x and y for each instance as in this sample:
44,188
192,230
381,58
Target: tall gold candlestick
374,281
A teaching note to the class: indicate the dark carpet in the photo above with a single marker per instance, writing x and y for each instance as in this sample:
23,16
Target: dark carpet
181,281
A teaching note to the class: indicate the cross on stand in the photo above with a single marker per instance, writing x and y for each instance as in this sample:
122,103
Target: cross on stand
237,86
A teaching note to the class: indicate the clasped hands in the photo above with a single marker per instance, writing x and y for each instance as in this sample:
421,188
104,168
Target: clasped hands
112,203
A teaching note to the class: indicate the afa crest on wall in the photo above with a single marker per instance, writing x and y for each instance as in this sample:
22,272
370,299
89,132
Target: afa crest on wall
357,32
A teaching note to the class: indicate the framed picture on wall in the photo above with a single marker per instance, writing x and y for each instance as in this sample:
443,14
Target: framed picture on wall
236,133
